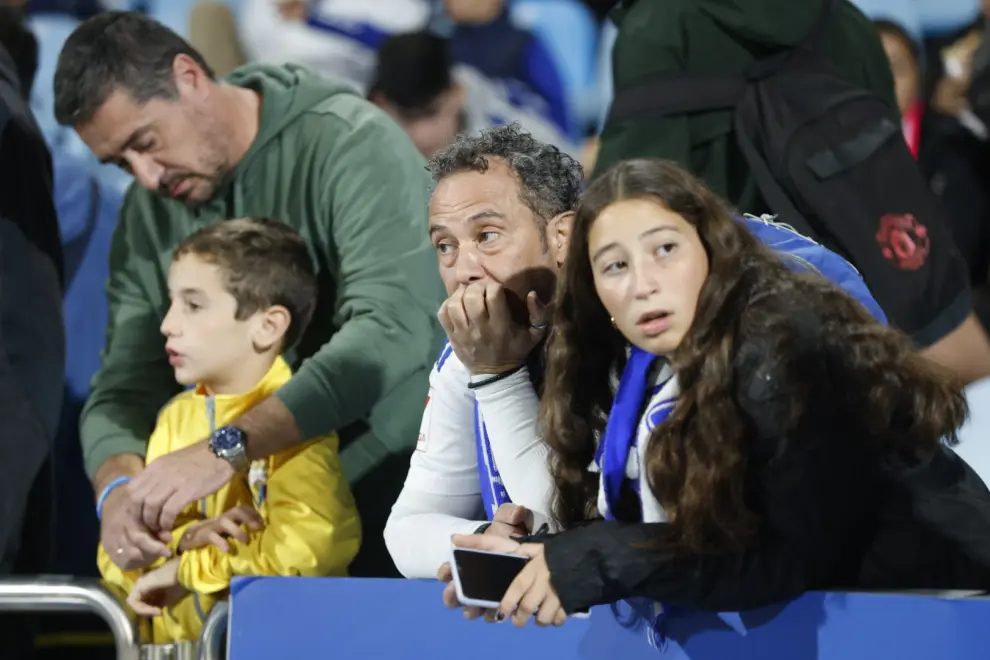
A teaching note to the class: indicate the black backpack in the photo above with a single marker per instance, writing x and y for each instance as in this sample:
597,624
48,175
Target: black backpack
829,159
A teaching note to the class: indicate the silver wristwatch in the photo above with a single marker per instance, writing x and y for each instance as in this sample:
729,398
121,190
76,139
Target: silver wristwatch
227,442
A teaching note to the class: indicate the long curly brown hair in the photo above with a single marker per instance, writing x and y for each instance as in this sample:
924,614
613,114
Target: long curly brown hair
696,463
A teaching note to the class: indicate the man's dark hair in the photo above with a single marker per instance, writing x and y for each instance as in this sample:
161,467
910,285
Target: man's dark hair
264,263
413,70
549,180
117,49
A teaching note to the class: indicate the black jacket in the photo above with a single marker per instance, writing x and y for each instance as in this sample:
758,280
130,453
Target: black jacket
837,511
32,342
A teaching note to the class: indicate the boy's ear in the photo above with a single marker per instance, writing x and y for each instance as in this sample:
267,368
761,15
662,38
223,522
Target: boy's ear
272,325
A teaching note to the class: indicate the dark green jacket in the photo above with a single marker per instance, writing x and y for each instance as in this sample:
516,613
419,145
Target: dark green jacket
335,168
723,36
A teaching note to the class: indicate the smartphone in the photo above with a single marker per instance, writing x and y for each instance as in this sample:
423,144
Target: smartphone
481,578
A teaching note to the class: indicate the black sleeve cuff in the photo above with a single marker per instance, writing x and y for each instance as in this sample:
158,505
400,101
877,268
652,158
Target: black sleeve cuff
600,563
948,320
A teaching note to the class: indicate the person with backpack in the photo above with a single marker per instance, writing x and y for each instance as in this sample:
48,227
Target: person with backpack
789,108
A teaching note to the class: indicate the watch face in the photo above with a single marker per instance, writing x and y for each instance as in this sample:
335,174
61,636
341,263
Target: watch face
227,438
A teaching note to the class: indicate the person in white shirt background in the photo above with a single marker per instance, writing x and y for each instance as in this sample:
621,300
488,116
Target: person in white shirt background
499,218
418,84
337,38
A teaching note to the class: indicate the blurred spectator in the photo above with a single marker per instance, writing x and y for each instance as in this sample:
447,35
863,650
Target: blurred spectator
417,83
513,61
336,38
414,84
32,342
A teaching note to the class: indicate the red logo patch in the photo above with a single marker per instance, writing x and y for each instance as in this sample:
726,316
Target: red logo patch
903,240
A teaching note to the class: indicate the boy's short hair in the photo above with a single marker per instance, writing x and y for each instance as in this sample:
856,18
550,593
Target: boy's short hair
264,263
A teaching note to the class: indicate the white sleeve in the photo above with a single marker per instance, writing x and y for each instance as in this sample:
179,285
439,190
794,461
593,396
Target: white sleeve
511,411
442,495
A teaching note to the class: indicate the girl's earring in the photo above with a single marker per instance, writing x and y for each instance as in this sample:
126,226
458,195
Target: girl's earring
612,319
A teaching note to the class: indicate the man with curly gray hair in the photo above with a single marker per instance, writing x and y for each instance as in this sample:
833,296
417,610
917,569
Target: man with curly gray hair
500,219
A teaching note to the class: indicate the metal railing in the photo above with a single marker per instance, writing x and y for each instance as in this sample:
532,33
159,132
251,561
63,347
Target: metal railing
211,637
52,594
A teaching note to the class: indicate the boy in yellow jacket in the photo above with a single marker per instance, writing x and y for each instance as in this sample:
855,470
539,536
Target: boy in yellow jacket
241,291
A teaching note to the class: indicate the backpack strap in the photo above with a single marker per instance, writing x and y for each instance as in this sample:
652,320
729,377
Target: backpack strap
684,92
770,189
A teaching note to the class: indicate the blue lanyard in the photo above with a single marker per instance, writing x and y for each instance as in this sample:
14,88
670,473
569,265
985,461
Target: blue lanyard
493,492
211,415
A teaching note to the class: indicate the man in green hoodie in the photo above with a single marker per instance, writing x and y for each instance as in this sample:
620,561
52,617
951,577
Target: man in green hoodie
273,142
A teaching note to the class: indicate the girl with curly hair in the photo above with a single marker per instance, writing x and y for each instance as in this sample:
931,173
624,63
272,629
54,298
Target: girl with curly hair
767,436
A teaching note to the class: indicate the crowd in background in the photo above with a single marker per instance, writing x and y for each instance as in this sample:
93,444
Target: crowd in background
439,68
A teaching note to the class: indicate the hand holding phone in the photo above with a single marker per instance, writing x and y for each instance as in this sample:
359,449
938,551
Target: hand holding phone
481,578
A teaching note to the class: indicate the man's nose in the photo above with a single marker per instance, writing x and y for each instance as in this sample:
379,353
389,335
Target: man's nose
147,172
468,268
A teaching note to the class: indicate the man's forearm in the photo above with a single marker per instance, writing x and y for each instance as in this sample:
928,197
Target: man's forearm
964,352
120,465
269,428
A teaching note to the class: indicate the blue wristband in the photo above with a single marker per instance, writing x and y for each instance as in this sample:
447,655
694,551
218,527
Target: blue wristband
106,491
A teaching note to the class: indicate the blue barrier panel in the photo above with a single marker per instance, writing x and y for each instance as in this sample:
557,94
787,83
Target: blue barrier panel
398,619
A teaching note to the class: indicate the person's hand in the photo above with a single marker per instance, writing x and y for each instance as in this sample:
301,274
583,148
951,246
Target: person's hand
531,592
124,536
228,524
172,482
509,520
157,589
482,332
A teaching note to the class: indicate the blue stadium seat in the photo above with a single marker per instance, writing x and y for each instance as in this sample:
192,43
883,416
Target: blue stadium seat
905,13
939,17
569,31
51,30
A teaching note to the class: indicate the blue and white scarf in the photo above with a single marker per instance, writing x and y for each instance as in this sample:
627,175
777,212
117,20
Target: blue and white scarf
646,396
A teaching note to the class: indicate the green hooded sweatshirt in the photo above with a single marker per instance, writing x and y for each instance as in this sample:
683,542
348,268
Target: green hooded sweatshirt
723,36
334,167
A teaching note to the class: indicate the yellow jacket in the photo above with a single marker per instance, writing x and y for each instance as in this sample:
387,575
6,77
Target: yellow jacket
311,522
